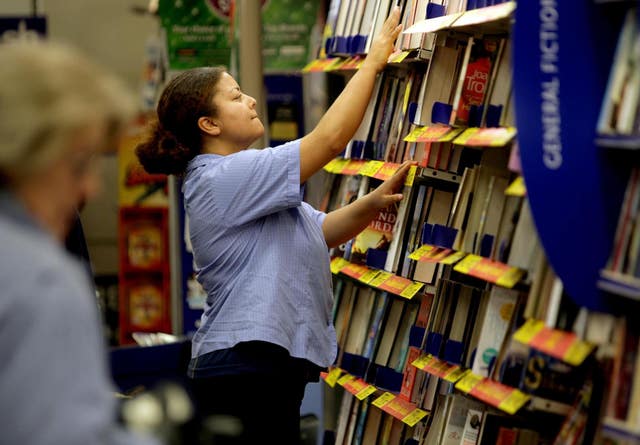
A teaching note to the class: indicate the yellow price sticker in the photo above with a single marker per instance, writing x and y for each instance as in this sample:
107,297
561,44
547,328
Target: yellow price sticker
398,57
422,361
578,352
336,165
414,417
468,382
411,176
370,168
453,258
380,278
337,264
450,135
420,252
345,379
365,392
414,134
456,374
383,399
333,376
410,291
514,402
468,263
511,277
369,276
528,330
516,188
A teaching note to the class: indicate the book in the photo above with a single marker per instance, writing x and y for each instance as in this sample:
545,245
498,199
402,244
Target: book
343,314
438,83
456,418
377,235
359,321
396,256
374,330
493,327
390,329
401,342
380,14
372,426
438,213
344,416
476,68
619,76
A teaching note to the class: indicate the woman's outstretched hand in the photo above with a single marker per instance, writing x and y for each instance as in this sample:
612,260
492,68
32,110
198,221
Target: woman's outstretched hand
388,192
383,43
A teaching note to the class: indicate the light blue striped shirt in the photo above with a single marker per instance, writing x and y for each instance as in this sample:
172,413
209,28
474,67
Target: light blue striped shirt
260,253
55,386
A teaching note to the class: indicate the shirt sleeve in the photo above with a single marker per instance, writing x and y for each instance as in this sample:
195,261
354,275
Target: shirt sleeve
317,215
255,183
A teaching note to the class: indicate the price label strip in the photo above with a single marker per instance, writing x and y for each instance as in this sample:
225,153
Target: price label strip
486,137
434,254
493,393
370,168
337,264
399,408
565,346
491,271
353,167
320,65
352,63
331,378
516,188
369,276
342,381
354,270
360,388
439,368
336,165
386,170
438,133
400,286
415,133
398,57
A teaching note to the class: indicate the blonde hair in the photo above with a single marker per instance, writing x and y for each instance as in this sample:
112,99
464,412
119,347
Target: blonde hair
49,91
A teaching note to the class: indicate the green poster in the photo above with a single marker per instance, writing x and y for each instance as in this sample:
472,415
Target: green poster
287,28
197,31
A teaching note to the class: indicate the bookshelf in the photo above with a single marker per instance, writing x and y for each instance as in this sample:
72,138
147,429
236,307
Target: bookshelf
511,328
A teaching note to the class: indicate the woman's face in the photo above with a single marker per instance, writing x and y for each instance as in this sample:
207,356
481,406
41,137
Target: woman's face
237,119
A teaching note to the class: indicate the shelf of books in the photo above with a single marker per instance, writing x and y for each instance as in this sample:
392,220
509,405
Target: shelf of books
470,313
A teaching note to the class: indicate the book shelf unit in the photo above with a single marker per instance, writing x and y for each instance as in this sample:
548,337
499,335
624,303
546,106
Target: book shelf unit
557,192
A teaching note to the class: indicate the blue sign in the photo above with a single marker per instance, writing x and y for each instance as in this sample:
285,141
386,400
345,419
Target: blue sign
562,57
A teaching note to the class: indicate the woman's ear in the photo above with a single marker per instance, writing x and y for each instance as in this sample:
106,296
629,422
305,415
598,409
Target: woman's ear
209,126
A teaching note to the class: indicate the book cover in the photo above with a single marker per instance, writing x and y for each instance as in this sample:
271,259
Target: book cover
377,235
476,76
498,313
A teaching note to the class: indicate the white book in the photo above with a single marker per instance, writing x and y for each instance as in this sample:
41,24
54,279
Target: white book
619,71
494,327
416,40
381,14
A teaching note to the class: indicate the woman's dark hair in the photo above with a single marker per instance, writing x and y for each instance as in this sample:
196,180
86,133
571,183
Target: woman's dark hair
175,138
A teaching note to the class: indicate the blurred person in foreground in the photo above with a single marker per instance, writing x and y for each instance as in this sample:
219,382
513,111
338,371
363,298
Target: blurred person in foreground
58,111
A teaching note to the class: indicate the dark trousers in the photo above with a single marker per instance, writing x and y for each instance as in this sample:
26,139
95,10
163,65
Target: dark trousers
265,407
